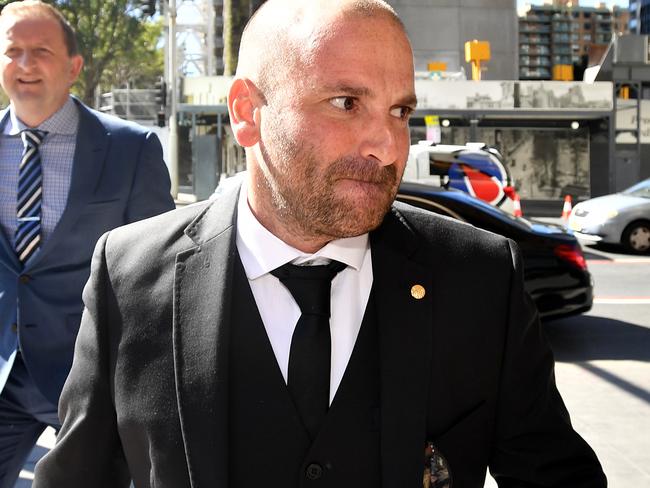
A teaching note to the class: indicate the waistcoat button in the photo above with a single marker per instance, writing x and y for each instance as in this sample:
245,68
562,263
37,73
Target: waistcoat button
314,471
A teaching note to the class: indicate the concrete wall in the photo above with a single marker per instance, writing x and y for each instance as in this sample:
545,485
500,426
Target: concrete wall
439,28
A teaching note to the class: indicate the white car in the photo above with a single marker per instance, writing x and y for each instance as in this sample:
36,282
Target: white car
619,218
475,168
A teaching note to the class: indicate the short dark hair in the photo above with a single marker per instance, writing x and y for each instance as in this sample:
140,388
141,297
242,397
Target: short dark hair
37,8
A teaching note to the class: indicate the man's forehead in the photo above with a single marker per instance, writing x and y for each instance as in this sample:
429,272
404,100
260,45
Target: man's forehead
24,22
308,33
302,19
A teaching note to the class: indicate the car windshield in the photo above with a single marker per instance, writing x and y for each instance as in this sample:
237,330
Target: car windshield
641,189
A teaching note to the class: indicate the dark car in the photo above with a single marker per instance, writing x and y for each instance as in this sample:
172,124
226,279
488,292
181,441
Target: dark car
555,270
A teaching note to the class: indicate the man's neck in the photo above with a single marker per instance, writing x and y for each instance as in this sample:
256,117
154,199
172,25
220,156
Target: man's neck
33,119
282,227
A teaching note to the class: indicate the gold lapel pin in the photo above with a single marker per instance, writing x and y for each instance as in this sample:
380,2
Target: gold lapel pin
418,292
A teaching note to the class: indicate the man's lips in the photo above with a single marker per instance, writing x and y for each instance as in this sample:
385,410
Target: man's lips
363,172
28,82
361,180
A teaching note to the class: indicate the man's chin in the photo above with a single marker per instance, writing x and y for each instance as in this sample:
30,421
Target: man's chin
360,187
359,218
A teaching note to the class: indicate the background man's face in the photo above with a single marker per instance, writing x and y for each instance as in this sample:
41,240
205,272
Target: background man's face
335,137
37,70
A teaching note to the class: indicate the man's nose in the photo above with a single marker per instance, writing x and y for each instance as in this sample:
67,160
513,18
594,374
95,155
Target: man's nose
380,141
26,60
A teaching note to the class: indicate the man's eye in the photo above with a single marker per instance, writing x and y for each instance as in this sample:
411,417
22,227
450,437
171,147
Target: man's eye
343,103
401,112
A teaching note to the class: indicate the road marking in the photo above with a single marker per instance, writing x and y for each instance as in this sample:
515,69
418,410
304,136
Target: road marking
622,300
619,261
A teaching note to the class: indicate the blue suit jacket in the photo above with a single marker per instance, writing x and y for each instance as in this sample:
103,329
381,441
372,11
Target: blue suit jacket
118,177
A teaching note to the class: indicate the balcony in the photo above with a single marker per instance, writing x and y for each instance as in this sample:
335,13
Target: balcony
561,39
534,74
534,61
534,40
535,28
538,18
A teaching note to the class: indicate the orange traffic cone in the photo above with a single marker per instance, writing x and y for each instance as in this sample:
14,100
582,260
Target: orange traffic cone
566,209
516,204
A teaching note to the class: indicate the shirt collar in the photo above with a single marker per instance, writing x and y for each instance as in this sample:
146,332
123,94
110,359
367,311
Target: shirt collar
262,252
64,121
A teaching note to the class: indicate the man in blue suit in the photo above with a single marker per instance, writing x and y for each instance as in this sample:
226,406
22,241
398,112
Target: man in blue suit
67,175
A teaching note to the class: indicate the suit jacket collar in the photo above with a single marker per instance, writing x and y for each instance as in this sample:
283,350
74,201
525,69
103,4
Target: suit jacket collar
202,284
404,318
8,256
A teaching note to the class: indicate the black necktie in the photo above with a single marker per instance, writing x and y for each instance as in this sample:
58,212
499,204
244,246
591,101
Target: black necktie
309,358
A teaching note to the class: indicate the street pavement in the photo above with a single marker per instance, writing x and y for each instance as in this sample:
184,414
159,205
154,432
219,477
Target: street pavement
602,370
603,366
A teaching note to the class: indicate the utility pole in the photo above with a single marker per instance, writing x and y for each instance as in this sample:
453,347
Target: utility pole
173,99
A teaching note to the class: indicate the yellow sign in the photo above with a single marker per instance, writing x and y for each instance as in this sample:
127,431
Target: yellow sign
563,72
431,120
477,51
437,66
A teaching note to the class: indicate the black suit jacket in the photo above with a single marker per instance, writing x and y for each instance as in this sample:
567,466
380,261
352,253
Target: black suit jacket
465,367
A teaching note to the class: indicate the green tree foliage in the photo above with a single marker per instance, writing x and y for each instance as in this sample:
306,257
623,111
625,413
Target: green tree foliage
229,54
119,45
235,15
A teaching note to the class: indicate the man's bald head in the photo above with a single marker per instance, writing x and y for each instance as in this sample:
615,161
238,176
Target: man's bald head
282,33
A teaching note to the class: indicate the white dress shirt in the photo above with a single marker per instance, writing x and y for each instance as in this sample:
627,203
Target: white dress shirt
261,252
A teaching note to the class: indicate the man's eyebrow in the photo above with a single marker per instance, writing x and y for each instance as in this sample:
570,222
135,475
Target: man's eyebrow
345,89
361,91
409,101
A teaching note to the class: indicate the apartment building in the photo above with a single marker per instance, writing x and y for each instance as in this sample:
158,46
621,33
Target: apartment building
555,38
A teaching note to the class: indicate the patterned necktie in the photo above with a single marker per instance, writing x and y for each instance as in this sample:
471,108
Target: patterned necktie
309,357
30,188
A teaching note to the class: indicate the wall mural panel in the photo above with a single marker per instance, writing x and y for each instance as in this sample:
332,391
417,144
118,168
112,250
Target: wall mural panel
544,164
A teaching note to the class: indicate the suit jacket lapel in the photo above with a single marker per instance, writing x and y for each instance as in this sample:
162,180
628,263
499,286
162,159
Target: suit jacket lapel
7,251
202,285
405,349
89,159
8,256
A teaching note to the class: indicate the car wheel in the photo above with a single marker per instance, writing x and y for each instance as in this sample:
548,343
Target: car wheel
636,236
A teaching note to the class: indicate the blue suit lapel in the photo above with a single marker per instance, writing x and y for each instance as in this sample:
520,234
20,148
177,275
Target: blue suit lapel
7,252
405,335
89,160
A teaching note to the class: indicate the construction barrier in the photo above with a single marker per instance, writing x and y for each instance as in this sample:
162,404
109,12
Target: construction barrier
516,205
566,208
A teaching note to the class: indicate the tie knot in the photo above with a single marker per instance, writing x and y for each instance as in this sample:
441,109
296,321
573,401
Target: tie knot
32,137
310,285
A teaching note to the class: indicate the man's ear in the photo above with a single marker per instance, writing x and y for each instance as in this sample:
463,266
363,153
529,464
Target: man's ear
76,63
243,107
